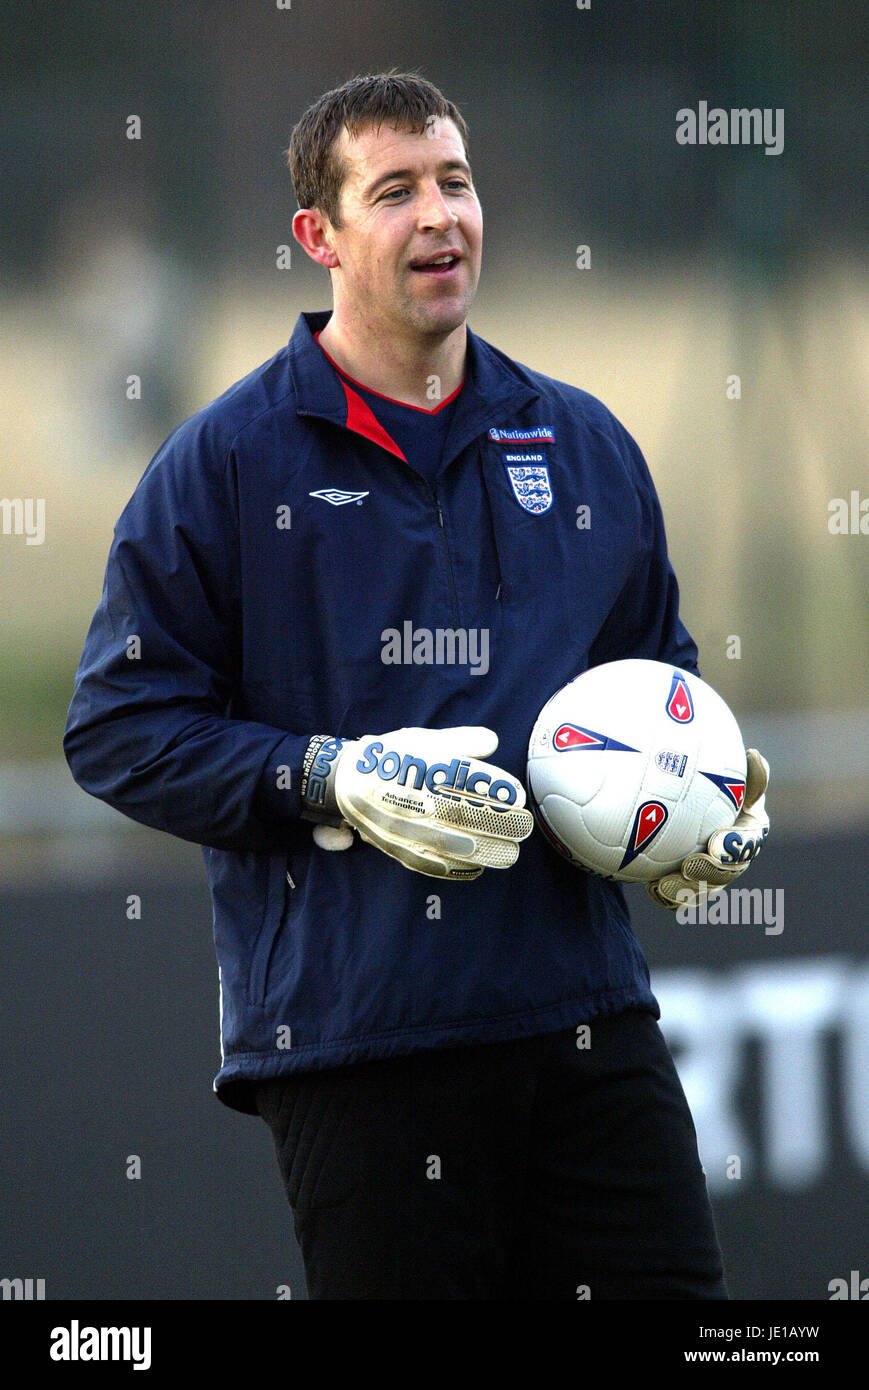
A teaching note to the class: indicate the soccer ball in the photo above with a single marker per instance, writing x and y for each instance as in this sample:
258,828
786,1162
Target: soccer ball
632,766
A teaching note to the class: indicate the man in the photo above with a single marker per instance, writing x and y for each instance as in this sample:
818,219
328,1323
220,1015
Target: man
406,1022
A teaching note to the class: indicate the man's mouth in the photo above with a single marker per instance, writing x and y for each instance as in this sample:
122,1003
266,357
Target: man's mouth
438,267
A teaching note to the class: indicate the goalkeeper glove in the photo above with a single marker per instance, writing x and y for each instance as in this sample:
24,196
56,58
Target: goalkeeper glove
728,853
421,796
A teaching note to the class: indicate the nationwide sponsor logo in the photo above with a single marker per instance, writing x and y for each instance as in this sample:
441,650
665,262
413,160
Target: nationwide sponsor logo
535,434
680,706
337,497
570,738
648,821
530,483
454,779
674,763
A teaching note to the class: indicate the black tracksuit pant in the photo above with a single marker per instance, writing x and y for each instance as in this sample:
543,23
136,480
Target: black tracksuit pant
527,1169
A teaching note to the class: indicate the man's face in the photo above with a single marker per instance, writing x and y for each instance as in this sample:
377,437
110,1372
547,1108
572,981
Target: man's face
407,199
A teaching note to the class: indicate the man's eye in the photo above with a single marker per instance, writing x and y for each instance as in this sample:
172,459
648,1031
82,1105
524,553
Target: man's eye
390,192
455,183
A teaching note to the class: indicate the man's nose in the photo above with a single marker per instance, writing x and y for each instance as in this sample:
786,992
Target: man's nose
433,210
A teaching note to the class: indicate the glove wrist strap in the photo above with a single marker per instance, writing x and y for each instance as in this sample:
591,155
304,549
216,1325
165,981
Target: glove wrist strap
319,803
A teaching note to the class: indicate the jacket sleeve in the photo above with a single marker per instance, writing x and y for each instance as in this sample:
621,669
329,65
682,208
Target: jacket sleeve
644,622
150,727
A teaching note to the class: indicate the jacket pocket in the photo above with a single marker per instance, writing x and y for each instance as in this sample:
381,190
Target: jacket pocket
533,539
566,541
280,888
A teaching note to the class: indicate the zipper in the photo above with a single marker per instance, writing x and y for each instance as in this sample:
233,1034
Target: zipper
453,590
487,488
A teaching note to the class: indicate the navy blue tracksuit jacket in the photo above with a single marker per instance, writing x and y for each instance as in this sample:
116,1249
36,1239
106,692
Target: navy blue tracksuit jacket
260,595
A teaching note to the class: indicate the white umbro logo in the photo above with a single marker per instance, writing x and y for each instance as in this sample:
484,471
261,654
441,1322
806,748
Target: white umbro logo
337,497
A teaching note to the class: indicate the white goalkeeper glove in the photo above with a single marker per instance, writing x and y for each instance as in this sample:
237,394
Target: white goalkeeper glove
728,853
421,796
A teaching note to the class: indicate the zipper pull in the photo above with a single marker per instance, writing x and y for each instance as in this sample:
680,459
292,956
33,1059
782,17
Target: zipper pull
290,879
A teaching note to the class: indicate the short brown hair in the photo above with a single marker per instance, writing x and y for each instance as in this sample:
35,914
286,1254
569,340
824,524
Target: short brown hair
400,99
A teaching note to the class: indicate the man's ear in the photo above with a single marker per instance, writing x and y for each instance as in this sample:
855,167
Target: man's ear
313,233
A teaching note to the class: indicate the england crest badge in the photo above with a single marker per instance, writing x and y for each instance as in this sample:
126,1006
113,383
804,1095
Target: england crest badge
529,478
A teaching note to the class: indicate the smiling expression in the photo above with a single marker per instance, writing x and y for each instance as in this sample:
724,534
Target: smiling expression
410,244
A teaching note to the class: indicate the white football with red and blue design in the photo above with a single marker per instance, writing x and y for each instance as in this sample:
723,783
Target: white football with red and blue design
632,766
